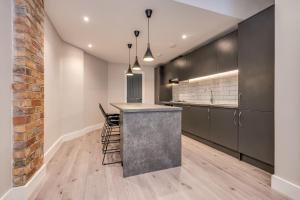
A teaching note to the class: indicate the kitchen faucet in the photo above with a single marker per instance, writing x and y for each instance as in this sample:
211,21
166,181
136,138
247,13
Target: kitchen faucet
211,97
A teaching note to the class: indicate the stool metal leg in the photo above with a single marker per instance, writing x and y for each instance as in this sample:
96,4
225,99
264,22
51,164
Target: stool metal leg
106,150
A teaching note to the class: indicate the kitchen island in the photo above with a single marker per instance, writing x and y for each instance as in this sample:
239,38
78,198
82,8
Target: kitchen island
150,137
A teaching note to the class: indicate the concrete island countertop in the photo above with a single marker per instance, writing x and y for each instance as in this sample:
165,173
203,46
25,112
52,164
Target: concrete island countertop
141,107
199,104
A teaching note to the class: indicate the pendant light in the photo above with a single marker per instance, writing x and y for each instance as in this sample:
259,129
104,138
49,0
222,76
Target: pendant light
129,71
148,57
136,65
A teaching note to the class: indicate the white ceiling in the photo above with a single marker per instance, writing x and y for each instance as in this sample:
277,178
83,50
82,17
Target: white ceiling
112,23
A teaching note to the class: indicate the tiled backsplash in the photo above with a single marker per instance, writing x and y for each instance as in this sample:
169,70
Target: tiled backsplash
224,90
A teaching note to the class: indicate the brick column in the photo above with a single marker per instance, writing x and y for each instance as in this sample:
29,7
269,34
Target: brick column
28,90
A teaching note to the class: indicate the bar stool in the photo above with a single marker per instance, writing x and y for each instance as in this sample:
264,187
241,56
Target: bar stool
109,117
110,135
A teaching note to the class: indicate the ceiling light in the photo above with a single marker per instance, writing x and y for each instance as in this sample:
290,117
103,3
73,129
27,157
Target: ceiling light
90,45
148,57
184,36
86,19
129,71
136,65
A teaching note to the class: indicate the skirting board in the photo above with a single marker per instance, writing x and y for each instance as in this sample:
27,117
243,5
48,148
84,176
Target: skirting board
285,187
24,192
67,137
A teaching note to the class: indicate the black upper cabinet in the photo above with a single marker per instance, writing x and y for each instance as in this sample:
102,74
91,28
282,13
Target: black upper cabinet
203,61
165,91
170,72
227,52
256,61
182,65
214,57
224,127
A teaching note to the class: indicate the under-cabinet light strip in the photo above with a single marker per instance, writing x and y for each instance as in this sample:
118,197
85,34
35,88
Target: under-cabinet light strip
219,75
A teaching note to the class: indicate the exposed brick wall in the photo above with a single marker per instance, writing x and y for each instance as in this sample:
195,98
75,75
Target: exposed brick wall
28,89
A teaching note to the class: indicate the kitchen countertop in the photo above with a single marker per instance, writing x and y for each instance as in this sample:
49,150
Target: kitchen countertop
141,107
200,104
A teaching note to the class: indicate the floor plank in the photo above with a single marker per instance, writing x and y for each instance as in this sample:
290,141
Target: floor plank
76,173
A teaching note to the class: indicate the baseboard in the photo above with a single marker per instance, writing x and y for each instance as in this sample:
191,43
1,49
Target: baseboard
67,137
285,187
24,192
7,195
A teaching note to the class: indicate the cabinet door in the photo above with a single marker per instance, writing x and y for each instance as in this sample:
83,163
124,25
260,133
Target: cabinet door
256,62
165,91
223,127
256,135
195,120
183,66
227,52
185,119
157,85
203,61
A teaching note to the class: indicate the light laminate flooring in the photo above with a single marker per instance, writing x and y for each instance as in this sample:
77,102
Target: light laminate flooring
76,173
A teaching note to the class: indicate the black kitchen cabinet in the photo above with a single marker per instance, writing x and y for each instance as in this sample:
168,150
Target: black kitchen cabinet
185,118
195,120
171,71
165,90
256,135
183,67
166,73
157,85
203,61
227,52
256,61
165,93
224,127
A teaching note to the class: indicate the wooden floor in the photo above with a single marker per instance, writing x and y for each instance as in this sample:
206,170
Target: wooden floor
76,173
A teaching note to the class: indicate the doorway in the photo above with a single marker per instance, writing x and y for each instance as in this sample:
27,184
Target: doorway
135,88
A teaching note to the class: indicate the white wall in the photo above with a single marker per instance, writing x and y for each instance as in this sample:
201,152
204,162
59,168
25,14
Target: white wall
287,98
117,84
75,82
5,96
95,88
53,45
71,88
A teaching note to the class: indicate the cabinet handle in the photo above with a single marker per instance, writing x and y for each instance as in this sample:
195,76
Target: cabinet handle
208,114
240,98
234,118
240,116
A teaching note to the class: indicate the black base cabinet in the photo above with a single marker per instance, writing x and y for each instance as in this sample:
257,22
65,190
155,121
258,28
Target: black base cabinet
244,134
224,127
195,120
256,135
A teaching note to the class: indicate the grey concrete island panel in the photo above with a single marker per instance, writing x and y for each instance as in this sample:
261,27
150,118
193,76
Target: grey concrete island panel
150,137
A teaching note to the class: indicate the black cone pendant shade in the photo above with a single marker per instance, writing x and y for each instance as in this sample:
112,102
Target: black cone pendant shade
148,57
129,71
136,65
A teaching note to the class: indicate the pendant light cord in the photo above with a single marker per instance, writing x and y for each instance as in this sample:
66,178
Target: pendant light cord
135,46
129,56
148,31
